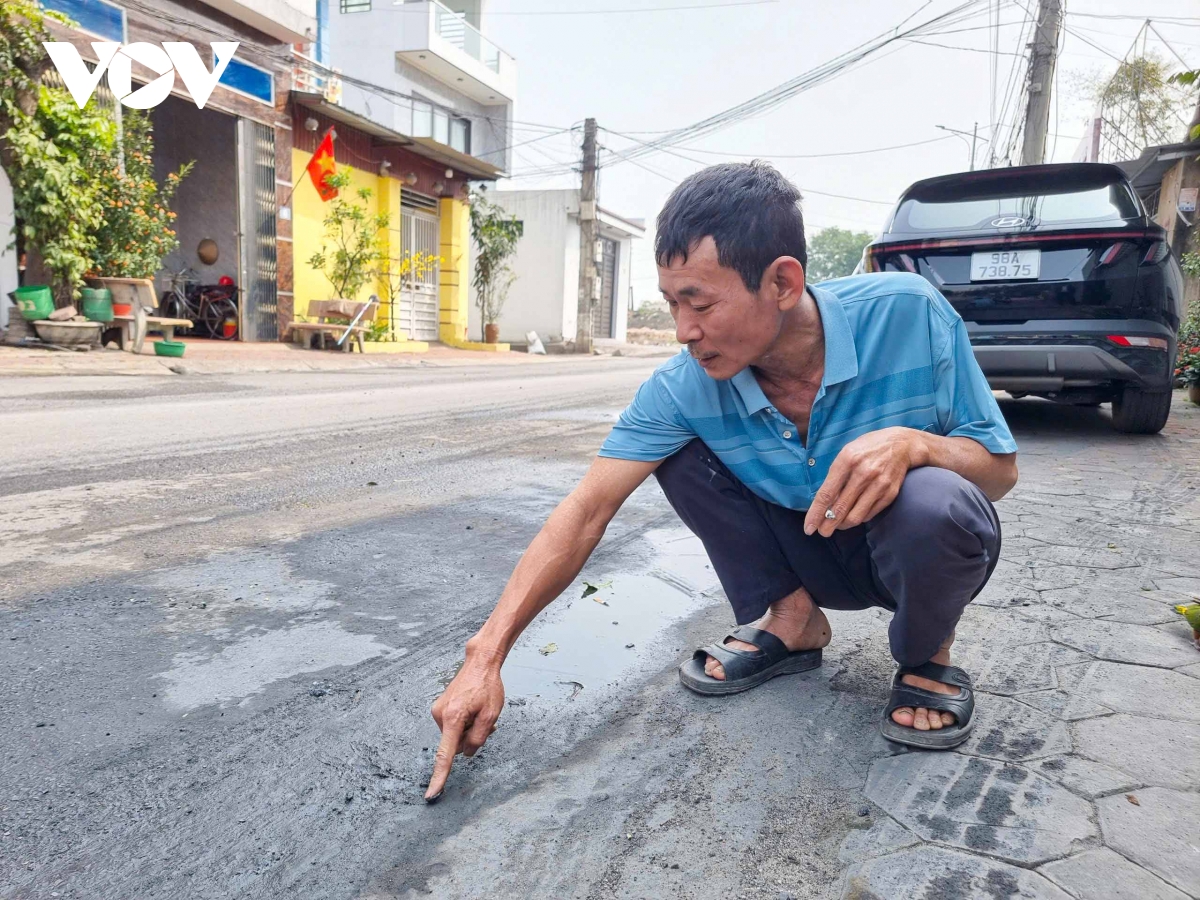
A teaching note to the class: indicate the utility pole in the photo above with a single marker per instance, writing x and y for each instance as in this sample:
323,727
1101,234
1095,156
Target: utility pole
589,283
1041,80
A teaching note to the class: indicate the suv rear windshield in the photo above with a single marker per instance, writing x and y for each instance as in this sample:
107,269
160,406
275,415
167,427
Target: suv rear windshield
1041,202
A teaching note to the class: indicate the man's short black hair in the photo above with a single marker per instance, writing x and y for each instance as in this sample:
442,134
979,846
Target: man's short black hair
749,209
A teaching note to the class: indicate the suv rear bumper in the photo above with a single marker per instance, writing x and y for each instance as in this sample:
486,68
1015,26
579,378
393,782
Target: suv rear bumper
1046,356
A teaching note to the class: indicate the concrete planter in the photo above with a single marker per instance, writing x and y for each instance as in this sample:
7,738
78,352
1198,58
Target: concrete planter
1193,392
68,334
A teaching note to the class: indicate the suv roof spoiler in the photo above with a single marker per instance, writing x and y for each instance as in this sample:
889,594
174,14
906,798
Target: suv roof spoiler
1056,177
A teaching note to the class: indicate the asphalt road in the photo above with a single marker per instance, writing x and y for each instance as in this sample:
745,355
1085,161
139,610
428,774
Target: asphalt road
226,604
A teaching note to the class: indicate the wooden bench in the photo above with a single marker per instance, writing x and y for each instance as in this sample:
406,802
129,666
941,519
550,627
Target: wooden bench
132,330
333,318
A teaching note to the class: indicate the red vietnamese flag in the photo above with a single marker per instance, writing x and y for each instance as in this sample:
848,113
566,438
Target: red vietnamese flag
321,166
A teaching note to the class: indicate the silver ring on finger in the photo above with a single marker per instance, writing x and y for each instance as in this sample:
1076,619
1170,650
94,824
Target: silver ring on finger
830,514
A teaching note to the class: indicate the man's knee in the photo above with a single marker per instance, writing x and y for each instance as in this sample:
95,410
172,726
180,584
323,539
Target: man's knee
938,507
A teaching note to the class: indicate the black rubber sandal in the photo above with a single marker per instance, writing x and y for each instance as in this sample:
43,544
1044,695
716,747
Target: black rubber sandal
960,705
745,669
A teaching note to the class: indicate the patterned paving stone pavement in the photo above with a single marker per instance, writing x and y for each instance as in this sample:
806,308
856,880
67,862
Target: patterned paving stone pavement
1082,777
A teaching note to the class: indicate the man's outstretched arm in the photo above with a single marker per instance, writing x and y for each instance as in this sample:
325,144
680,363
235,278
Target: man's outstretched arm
468,709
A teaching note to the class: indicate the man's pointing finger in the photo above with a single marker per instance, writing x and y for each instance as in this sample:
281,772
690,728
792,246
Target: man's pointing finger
444,759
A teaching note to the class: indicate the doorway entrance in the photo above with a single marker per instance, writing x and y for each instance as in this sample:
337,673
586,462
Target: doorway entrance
416,314
602,310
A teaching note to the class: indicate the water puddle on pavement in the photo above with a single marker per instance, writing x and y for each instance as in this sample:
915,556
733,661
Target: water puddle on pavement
245,578
587,643
249,665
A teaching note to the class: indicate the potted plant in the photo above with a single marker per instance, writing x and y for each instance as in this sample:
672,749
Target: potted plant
495,234
138,230
351,247
1187,359
50,155
1187,369
397,275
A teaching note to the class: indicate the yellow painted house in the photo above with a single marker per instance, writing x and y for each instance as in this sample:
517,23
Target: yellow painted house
428,214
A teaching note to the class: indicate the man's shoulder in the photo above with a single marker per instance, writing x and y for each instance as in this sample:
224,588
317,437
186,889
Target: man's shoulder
684,383
877,296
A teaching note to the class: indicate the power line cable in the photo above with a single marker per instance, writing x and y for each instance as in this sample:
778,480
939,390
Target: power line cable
767,155
1015,75
628,158
1174,20
968,49
809,79
640,9
592,12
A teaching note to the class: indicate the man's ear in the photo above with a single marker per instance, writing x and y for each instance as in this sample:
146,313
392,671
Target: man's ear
787,280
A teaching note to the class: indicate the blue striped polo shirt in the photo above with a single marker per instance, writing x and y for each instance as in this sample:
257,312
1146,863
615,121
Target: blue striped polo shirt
896,353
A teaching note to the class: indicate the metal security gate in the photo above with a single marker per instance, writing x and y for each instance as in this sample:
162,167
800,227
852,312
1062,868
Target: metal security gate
416,315
602,309
259,306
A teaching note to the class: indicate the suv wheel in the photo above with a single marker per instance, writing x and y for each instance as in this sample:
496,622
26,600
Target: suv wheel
1136,411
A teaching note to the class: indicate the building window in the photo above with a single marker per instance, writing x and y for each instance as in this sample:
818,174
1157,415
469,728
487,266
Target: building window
353,6
98,17
460,135
250,80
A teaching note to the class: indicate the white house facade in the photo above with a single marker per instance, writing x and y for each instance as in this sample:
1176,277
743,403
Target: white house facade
545,295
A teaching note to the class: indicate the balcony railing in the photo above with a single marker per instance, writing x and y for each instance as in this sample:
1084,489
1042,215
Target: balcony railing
313,78
409,116
455,30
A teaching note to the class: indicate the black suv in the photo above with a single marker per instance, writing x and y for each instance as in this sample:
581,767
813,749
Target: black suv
1068,288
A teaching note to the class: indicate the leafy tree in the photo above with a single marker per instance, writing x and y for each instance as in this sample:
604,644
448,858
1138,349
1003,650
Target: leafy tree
352,244
50,150
834,252
1190,79
398,274
1142,98
55,154
495,234
137,230
23,61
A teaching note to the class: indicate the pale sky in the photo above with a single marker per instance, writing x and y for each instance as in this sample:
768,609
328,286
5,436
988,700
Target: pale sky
651,70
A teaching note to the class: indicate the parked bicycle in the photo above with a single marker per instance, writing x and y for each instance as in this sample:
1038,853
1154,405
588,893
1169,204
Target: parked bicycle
209,306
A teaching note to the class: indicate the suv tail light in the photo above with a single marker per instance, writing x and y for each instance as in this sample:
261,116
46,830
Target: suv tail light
871,259
1110,255
1156,253
1133,340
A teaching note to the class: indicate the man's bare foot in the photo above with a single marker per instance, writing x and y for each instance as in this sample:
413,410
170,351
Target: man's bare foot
795,620
926,719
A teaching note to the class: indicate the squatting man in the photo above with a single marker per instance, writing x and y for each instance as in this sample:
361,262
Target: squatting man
832,446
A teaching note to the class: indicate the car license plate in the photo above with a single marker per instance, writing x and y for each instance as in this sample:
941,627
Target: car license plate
1003,265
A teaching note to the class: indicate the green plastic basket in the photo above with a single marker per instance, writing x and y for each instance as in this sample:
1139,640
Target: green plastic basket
97,304
35,302
169,348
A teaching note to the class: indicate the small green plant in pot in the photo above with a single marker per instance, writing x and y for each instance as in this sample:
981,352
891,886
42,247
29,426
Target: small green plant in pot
1187,365
397,276
495,234
351,247
138,227
1187,358
52,157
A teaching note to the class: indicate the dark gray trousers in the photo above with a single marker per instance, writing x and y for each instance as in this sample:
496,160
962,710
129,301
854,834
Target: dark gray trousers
924,557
